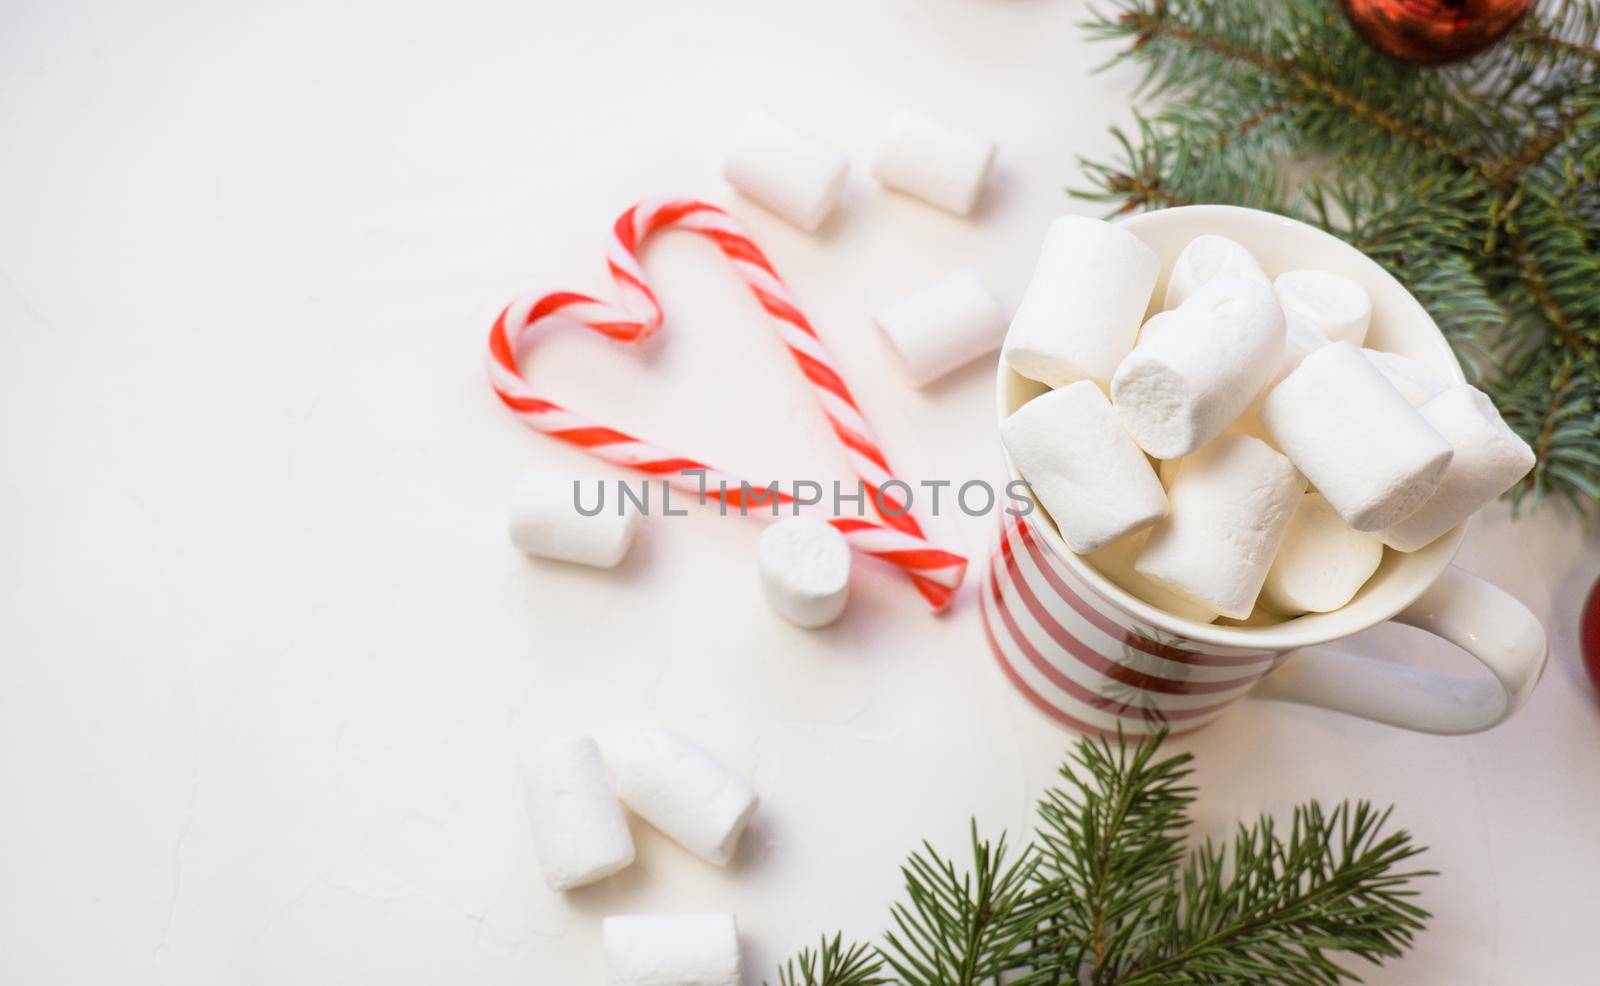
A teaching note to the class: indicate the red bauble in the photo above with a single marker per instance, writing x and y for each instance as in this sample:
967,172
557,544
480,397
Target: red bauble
1432,31
1589,634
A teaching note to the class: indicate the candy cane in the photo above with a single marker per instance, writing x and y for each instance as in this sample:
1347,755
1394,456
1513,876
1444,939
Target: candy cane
898,539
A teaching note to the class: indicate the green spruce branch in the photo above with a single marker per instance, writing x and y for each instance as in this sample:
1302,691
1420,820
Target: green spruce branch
1476,184
1108,894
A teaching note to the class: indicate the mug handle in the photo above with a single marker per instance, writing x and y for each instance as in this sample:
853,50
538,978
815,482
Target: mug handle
1477,616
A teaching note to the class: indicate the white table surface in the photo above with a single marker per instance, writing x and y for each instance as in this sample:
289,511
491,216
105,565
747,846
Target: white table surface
268,655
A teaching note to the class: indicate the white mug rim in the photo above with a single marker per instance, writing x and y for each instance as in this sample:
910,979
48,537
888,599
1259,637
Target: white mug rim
1279,637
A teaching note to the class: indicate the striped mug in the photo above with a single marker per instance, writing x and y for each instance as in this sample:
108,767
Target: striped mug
1098,659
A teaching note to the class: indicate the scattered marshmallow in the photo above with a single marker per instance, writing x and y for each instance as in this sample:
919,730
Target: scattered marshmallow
1231,504
579,832
678,788
943,325
671,950
1417,383
938,163
789,173
1489,459
545,521
1082,467
1350,431
1322,562
1182,386
1205,259
1083,308
1335,304
805,570
1116,560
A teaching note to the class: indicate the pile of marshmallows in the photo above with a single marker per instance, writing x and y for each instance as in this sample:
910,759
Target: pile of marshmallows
1243,388
581,835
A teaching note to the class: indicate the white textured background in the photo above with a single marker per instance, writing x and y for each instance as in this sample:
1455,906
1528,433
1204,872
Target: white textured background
265,655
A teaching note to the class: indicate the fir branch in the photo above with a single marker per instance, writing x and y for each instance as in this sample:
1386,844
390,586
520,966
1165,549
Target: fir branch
1104,896
1157,22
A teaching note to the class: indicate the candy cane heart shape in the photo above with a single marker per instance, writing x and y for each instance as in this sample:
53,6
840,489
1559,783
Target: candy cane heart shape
897,538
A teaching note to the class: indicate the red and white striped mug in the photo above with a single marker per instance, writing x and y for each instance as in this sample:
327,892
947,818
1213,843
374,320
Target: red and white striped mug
1094,657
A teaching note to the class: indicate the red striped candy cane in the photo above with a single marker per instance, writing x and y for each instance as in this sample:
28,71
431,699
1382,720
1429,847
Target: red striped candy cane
898,539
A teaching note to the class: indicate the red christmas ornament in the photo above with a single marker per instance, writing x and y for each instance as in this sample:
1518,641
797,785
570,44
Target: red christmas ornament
1432,31
1589,634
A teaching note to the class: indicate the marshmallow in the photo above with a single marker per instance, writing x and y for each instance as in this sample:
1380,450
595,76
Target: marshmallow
1416,382
1082,467
1231,503
1335,304
1158,323
1083,307
1183,385
675,786
805,570
943,325
671,950
579,832
1206,259
1321,563
545,522
937,163
789,173
1489,459
1351,432
1115,561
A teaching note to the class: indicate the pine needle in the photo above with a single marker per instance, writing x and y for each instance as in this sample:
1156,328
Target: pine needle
832,964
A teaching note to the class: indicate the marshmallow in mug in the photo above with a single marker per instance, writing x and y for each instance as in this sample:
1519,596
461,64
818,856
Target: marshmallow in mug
676,949
1489,459
943,325
804,565
579,832
1184,384
1417,383
938,163
1084,305
545,522
677,787
1116,560
1231,505
1322,562
793,175
1207,258
1344,425
1082,466
1335,304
